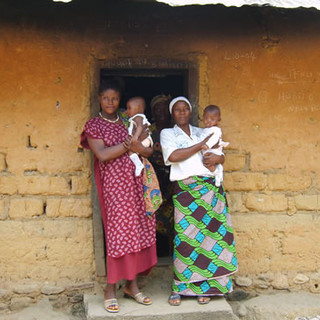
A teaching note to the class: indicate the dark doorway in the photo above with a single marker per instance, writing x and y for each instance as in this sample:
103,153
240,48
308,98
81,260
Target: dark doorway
148,84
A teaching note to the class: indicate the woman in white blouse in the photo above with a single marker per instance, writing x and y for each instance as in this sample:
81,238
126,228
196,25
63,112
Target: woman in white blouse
204,250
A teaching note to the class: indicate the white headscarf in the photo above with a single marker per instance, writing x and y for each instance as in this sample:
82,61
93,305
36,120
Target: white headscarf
181,98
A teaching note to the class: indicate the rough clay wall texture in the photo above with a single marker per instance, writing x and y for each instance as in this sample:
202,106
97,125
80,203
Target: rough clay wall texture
45,204
263,71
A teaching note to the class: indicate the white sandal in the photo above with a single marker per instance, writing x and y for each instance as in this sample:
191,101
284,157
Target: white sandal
111,305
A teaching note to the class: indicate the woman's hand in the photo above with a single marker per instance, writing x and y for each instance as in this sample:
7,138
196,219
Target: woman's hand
136,146
127,143
210,159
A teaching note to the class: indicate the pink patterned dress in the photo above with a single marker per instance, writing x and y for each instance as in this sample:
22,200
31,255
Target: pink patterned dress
130,235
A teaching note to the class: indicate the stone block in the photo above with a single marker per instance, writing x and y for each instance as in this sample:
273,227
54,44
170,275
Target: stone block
80,185
280,282
234,162
25,208
69,207
26,289
8,185
18,303
266,202
307,202
243,281
50,290
300,278
287,182
43,185
244,181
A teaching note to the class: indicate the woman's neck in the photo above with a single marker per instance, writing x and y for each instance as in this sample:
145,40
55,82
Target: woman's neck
186,129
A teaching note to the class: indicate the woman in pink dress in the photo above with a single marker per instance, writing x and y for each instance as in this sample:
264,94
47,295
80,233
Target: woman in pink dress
129,233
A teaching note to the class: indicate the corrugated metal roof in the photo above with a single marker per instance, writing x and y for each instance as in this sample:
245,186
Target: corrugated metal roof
238,3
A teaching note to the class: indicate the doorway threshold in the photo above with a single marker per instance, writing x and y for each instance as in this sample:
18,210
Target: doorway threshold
164,261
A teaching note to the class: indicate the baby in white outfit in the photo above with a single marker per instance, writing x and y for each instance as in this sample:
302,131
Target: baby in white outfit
135,110
211,118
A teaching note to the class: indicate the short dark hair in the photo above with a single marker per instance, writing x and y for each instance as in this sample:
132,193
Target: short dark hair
211,108
110,84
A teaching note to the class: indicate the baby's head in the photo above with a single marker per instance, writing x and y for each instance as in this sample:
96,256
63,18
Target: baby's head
211,116
135,105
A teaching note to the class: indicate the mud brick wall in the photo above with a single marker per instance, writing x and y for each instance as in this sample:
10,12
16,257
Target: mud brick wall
260,65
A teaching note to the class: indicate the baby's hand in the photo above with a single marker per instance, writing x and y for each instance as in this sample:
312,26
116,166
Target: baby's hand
204,147
127,143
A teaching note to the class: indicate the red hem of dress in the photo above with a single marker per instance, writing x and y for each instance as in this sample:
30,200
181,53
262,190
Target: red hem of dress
130,265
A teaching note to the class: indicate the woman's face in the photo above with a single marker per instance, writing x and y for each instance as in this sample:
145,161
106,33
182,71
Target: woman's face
160,112
109,101
181,113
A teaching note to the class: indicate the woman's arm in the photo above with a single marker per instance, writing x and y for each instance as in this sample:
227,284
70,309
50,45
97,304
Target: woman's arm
185,153
170,151
137,147
104,153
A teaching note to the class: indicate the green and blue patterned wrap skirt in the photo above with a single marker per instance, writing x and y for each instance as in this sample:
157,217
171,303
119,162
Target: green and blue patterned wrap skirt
204,249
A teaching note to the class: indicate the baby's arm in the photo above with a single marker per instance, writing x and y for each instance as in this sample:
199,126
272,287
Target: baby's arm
138,120
214,139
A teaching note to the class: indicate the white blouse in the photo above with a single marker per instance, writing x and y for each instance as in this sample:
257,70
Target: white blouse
175,138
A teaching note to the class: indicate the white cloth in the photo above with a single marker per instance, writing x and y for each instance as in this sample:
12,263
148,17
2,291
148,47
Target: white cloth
216,138
147,142
217,133
175,138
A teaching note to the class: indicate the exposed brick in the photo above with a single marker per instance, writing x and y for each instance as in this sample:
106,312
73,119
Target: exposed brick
3,209
261,160
278,242
43,185
63,160
25,208
288,182
47,250
235,201
80,185
69,207
266,202
8,185
307,202
234,162
243,181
